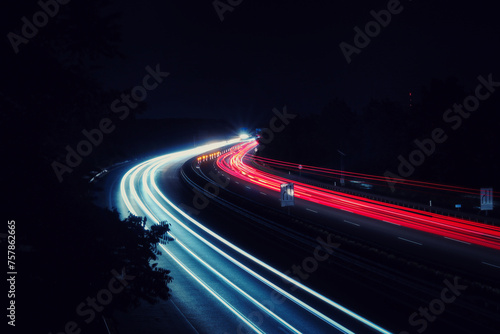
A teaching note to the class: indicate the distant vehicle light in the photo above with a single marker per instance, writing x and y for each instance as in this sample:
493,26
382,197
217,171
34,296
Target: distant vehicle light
244,136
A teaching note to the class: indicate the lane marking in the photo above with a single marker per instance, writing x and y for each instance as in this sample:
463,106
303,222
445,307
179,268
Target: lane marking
489,264
248,187
385,221
464,242
311,210
237,182
348,222
414,242
263,193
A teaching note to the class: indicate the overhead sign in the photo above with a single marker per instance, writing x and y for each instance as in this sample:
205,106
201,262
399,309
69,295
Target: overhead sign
486,198
287,198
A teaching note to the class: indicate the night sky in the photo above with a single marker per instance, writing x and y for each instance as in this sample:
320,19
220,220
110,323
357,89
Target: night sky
267,54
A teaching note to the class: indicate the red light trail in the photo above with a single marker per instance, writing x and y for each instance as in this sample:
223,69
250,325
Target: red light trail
450,227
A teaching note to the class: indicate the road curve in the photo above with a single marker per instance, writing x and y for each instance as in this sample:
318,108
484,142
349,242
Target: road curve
231,284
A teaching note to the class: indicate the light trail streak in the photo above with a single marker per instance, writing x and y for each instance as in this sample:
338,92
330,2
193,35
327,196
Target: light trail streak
154,165
467,231
131,174
326,171
217,273
266,266
213,293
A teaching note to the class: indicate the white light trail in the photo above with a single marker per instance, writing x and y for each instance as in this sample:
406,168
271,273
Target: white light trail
154,165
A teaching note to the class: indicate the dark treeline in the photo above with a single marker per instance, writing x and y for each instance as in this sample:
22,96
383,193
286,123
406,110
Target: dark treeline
374,138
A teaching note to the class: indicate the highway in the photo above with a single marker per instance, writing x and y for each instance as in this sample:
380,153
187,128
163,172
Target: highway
219,279
452,228
436,252
219,273
439,241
